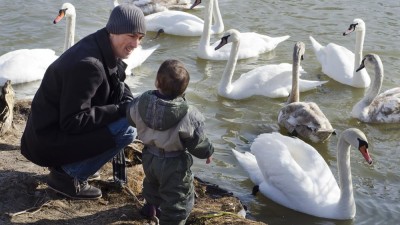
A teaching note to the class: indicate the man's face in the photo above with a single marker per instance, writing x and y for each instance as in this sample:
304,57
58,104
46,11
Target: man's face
124,44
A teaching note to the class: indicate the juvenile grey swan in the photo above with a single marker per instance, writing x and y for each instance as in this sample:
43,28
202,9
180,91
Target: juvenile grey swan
375,107
304,119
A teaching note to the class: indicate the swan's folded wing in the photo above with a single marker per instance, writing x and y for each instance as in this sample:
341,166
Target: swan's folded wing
386,107
292,166
175,22
304,114
26,65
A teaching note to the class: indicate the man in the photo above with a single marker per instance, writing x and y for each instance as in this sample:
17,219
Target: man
78,115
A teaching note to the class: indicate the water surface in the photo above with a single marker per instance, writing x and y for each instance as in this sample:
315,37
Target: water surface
235,124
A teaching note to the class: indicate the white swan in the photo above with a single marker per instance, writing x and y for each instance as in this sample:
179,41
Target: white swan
339,63
139,54
270,80
304,119
153,6
252,44
27,65
293,173
374,108
68,11
181,23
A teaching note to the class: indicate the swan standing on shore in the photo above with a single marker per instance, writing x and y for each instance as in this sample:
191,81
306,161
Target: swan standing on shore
292,173
304,119
272,81
375,107
27,65
339,63
252,44
181,23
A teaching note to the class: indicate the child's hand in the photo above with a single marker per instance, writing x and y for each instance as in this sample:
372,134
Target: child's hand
208,160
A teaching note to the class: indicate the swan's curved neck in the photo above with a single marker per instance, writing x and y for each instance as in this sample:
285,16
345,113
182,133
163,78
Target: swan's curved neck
218,22
225,85
346,202
295,93
205,36
70,32
358,51
376,85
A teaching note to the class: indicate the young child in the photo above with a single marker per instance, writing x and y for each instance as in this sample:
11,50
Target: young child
168,127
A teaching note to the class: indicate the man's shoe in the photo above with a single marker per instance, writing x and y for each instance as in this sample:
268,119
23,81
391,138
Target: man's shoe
66,185
95,176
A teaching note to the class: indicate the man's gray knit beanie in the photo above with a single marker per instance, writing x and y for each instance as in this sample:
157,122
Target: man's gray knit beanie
126,18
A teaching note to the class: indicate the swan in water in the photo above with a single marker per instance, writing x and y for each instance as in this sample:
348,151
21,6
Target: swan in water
68,11
304,119
292,173
375,107
139,54
272,81
252,44
153,6
27,65
182,23
339,63
147,6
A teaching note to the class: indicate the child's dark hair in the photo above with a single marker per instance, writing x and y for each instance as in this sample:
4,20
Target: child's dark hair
172,78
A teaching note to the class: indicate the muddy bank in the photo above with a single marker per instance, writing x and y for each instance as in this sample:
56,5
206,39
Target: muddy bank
26,199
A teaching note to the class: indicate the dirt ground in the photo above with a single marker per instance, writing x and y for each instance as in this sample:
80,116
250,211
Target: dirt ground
26,199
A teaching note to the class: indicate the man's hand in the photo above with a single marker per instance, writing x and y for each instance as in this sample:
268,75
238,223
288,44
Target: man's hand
122,107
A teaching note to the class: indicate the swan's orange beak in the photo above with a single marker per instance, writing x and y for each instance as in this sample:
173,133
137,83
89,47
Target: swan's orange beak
61,15
364,151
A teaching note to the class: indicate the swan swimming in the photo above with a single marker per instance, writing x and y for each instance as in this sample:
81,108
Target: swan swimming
252,44
339,63
304,119
292,173
181,23
375,107
27,65
153,6
272,81
68,11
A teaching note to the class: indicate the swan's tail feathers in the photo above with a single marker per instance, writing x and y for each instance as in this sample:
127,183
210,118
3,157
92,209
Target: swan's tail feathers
316,46
306,85
276,40
283,38
148,51
143,54
249,163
